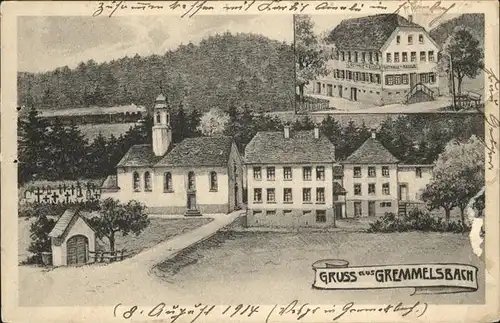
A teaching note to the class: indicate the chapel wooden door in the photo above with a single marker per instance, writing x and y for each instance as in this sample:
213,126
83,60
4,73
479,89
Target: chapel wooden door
76,250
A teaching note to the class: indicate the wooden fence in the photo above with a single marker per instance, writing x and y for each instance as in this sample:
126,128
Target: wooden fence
312,106
108,256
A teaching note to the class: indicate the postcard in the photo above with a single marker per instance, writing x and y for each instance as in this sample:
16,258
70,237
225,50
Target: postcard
250,161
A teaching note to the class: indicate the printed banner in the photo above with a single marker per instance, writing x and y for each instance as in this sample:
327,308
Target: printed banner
336,274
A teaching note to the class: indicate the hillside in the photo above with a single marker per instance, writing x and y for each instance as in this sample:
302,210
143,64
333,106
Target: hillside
473,21
222,70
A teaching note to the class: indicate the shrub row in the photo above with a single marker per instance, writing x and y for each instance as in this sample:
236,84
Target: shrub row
32,209
416,220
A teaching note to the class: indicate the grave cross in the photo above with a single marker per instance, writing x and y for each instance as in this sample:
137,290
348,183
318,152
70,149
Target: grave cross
60,189
72,189
97,194
46,199
79,190
38,194
54,197
67,195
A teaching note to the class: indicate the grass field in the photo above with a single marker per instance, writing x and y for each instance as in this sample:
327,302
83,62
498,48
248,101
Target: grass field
159,230
90,131
270,267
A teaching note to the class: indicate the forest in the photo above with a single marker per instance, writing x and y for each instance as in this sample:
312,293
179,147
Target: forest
220,71
60,152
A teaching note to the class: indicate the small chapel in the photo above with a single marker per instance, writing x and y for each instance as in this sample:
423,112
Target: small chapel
200,175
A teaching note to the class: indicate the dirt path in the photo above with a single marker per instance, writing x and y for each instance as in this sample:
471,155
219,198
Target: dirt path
129,279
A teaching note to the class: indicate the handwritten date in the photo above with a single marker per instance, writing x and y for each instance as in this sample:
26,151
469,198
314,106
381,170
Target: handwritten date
294,310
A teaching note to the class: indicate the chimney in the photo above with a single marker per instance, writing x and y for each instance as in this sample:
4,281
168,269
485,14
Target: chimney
286,131
374,134
410,18
316,132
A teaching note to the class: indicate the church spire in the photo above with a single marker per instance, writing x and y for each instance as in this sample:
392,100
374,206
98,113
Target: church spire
162,132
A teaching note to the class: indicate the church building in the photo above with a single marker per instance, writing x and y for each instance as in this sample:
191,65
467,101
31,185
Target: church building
201,175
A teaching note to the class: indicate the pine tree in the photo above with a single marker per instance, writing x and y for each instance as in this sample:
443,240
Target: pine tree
32,157
194,123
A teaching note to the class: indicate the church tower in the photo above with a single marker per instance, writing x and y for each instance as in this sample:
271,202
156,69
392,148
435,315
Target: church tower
162,132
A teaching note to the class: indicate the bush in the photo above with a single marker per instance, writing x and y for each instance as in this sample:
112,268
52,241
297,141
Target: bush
415,220
40,240
38,209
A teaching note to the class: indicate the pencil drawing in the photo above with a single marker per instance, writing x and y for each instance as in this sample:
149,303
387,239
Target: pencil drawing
215,158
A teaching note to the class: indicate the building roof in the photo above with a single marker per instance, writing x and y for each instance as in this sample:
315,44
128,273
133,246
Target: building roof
199,151
367,33
139,156
273,148
371,152
64,222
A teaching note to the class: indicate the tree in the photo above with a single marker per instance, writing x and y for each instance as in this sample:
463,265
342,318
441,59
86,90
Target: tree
213,122
39,234
332,129
194,123
98,158
457,176
32,144
438,194
465,54
310,59
180,125
116,217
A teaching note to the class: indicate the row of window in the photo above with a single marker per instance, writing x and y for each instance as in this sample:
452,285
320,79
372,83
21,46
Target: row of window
424,57
410,39
371,171
428,78
320,214
371,189
357,57
357,76
287,173
288,196
167,182
373,57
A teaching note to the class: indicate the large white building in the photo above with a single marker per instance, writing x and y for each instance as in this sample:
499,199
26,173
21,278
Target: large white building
291,181
198,175
376,181
381,59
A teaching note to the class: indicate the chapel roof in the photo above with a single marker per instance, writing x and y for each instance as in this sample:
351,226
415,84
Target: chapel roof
199,151
64,222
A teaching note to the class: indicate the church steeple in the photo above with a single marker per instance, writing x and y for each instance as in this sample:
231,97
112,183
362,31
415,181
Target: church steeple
162,132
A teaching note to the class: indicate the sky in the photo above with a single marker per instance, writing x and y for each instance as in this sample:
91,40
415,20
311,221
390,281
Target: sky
323,23
45,43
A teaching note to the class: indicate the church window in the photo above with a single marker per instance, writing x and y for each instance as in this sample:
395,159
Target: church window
213,181
158,118
147,182
191,181
136,183
167,182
